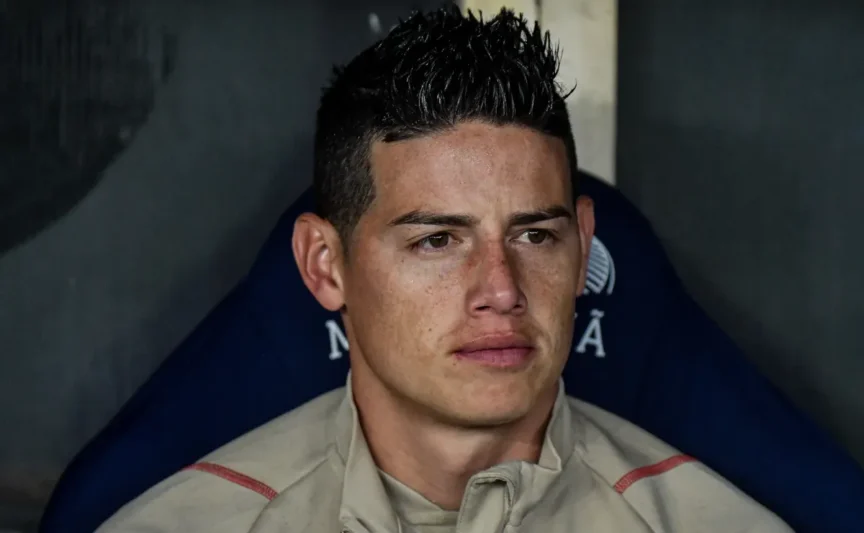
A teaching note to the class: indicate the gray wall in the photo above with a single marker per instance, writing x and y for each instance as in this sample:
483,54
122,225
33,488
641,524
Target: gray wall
92,305
741,136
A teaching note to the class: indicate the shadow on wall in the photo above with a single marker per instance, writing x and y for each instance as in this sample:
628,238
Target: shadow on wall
739,136
77,81
749,248
92,305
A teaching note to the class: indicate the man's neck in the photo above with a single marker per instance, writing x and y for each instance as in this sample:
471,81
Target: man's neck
437,460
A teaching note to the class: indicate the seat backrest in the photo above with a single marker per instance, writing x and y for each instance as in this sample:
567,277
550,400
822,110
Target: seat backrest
641,349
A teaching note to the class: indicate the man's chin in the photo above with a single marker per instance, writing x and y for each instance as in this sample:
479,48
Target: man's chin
497,403
477,415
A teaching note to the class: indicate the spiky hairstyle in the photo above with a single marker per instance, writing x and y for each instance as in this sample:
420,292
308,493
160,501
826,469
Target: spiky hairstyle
429,73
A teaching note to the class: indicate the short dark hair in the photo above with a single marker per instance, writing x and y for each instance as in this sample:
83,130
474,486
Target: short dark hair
429,73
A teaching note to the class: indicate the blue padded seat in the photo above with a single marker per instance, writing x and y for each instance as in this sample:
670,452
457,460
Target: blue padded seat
642,349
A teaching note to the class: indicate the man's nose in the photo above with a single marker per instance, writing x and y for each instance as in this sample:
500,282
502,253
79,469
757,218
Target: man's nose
496,284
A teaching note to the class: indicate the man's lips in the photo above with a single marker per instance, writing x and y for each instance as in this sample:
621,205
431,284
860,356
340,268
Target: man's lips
498,350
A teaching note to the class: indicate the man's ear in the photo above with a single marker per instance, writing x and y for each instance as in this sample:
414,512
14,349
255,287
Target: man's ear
585,219
318,253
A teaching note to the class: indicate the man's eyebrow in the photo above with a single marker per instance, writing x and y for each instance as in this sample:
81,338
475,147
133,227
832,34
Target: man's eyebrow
425,218
532,217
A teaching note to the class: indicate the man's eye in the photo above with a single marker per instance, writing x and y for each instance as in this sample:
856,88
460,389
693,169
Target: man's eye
535,236
434,242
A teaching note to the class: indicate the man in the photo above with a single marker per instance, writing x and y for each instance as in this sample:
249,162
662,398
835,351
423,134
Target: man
451,238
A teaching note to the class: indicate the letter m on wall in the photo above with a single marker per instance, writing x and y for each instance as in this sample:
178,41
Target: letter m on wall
337,339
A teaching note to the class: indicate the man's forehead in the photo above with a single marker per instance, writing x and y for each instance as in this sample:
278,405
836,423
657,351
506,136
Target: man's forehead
472,160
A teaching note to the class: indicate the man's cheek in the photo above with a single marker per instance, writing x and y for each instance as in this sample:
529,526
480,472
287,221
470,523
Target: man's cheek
553,288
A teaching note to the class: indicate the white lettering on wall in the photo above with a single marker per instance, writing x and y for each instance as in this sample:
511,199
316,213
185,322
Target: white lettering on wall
593,335
337,339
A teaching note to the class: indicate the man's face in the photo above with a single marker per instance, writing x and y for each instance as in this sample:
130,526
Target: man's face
461,277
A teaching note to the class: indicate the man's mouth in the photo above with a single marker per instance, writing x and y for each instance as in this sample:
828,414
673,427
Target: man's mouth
502,351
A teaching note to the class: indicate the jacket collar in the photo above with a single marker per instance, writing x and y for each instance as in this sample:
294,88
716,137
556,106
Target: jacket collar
365,504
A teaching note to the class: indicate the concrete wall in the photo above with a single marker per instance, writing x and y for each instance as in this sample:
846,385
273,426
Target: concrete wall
740,137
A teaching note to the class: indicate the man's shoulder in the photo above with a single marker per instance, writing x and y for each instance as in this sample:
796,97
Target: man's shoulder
672,491
229,488
284,450
614,444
